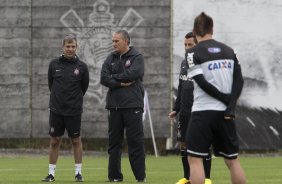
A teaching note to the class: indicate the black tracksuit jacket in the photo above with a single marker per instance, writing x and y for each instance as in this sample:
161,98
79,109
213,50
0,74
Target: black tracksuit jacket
124,68
184,100
68,82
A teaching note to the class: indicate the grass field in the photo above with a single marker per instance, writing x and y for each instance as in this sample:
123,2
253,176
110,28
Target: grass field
162,170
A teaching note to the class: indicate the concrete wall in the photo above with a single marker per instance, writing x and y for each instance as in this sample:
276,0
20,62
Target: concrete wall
15,68
30,34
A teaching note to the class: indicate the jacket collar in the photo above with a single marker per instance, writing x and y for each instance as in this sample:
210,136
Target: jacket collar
73,60
131,52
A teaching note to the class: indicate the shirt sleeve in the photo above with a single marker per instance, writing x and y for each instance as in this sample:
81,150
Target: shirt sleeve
178,97
85,80
50,77
106,78
237,87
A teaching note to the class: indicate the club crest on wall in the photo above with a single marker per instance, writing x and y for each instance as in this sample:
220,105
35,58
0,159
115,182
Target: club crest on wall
94,39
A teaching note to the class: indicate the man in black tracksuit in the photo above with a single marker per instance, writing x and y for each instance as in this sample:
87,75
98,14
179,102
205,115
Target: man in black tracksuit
183,106
68,80
122,73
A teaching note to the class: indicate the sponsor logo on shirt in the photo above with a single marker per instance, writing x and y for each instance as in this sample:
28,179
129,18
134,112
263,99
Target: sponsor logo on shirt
220,65
184,77
214,50
190,59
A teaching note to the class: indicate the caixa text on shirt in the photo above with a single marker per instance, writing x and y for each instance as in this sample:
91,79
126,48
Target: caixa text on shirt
222,64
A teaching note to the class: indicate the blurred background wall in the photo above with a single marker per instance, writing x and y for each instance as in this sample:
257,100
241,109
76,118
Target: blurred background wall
251,28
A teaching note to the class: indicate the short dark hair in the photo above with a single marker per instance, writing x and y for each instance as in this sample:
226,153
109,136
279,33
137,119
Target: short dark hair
191,35
203,25
69,39
124,34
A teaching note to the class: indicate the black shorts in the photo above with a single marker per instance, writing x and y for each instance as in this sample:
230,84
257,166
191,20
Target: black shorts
182,125
59,123
208,128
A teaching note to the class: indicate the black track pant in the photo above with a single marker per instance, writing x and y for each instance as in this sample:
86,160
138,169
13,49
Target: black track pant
131,120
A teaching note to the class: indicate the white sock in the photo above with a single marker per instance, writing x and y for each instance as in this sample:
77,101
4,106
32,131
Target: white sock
52,169
77,168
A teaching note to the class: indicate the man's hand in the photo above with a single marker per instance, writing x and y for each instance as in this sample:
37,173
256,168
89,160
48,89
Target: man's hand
229,117
172,115
126,84
229,113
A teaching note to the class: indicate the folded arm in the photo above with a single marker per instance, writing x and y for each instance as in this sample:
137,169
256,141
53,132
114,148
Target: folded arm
132,73
106,78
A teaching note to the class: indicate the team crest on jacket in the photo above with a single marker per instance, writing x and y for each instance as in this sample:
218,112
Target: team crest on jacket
127,63
190,59
76,71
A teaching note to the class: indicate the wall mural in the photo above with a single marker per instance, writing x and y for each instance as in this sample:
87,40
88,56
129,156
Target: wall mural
94,39
254,35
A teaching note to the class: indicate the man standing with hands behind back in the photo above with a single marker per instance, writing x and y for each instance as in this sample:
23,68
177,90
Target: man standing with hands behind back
122,72
218,83
68,80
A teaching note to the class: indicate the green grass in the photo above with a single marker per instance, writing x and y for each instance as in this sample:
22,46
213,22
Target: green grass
161,170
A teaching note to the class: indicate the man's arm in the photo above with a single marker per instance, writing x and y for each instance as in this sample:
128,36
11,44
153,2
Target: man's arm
237,88
85,80
211,90
178,97
134,72
195,71
106,78
50,77
176,107
177,104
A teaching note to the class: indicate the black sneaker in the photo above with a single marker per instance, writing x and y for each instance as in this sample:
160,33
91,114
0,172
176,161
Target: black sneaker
116,180
78,178
49,178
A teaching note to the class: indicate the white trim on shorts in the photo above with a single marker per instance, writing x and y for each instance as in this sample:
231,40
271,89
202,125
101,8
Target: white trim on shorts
197,153
228,155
